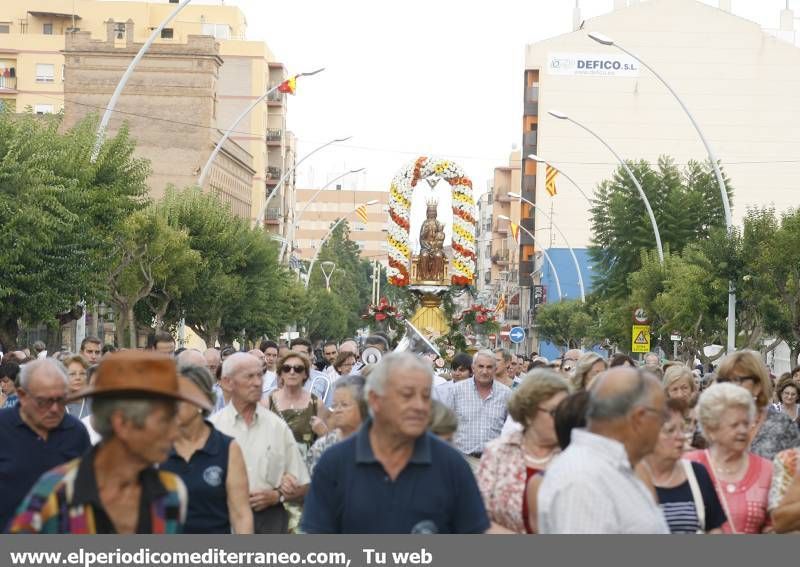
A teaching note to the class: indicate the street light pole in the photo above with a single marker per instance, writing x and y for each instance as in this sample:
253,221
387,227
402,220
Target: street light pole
571,250
296,220
562,116
544,252
328,235
726,205
232,127
260,218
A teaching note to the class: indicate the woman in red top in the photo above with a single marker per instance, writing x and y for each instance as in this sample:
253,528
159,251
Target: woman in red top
508,462
742,480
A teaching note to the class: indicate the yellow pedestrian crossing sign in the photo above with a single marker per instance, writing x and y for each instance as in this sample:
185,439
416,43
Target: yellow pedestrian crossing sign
640,338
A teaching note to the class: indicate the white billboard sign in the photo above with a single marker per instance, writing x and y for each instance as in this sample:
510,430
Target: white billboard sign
592,64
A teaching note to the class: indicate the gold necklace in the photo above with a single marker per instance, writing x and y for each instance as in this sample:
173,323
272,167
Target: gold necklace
667,483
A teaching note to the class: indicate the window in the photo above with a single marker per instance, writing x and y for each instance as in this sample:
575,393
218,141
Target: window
43,109
45,72
167,33
219,31
47,29
5,27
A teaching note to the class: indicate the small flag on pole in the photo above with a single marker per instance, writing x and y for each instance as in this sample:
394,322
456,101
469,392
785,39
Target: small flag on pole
514,231
362,213
550,180
501,304
289,86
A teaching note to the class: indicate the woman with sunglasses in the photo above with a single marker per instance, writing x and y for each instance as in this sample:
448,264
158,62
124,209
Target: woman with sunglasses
510,461
302,411
772,431
684,490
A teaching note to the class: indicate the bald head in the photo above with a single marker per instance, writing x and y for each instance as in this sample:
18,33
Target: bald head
191,357
618,390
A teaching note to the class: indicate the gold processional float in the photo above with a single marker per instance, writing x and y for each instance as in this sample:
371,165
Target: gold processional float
431,273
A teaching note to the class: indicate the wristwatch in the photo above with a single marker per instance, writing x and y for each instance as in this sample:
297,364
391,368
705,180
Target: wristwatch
281,497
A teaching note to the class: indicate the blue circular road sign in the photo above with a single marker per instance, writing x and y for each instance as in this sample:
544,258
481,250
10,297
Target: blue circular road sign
516,334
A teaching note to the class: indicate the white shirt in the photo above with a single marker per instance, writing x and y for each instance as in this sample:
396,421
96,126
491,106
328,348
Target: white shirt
510,427
94,436
591,488
267,444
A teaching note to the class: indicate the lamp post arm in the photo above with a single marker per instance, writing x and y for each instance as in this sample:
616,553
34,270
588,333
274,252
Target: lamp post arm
549,261
720,180
571,250
112,104
291,170
228,132
635,182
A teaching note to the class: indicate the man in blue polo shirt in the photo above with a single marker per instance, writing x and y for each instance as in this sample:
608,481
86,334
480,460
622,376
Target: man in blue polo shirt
393,476
38,434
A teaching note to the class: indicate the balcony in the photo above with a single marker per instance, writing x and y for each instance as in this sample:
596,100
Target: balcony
8,83
501,258
274,136
273,173
272,215
501,227
501,195
275,98
512,313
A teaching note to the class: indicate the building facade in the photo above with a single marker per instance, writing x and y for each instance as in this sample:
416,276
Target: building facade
738,80
33,37
316,216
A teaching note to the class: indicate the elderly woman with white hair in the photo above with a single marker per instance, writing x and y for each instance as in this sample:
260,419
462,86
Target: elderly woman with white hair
742,479
589,365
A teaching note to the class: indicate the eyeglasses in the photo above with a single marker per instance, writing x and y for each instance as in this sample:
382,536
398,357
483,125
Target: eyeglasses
550,412
342,406
286,368
47,403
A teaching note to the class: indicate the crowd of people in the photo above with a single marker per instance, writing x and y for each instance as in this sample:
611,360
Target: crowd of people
289,438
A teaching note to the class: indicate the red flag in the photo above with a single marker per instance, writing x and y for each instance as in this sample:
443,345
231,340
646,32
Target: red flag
289,86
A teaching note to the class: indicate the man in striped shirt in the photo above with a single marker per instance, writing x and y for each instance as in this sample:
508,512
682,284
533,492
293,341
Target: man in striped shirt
481,405
591,487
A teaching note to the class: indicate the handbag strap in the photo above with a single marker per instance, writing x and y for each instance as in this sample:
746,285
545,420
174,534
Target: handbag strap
696,494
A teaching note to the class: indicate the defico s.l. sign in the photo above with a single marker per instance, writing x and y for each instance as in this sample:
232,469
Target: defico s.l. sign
592,64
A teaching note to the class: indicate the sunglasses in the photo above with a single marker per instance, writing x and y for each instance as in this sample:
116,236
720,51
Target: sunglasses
289,367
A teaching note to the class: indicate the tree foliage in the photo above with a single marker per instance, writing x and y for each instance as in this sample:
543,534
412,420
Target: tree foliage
59,216
565,324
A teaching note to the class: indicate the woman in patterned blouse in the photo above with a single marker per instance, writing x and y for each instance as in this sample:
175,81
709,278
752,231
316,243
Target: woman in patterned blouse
509,462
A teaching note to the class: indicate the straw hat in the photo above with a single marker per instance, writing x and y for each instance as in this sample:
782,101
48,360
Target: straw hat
141,373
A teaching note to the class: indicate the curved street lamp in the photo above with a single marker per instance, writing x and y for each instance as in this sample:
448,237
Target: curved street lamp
260,218
571,251
537,159
229,131
726,205
328,235
311,200
544,252
562,116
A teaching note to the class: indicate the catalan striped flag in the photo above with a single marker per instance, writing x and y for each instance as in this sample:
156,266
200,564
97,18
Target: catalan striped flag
514,231
362,213
501,304
289,86
550,180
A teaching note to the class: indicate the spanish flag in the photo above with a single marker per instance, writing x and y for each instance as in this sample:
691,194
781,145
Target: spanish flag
550,180
289,86
501,304
514,231
362,213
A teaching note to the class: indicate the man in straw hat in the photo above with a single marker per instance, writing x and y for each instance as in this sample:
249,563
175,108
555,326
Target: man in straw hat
114,488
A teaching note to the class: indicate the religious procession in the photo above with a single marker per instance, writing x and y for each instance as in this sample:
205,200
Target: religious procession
199,337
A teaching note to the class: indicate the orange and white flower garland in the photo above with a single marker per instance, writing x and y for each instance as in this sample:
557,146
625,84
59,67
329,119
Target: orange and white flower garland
463,239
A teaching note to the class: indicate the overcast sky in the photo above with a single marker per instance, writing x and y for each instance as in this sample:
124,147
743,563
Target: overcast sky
418,77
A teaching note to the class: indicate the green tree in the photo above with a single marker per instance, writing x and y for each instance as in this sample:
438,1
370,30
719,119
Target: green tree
151,253
685,203
59,215
566,324
351,289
